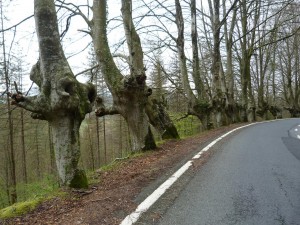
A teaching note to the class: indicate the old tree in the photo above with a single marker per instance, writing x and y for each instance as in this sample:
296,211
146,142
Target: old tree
130,93
62,100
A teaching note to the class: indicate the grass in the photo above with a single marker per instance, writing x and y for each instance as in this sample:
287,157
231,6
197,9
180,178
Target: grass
188,126
118,161
41,188
31,195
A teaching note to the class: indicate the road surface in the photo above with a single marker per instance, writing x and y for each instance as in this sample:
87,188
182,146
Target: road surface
252,178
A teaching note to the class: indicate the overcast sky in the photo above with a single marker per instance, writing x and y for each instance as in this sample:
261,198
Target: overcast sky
26,42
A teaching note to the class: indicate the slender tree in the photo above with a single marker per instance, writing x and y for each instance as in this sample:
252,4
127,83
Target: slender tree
231,107
247,44
12,179
218,98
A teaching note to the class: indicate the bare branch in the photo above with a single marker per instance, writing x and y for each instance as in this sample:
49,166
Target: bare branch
17,24
75,12
87,70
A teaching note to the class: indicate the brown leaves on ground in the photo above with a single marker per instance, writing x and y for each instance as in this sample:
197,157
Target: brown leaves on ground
112,199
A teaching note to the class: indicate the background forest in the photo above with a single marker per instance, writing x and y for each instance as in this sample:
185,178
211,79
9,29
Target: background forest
208,64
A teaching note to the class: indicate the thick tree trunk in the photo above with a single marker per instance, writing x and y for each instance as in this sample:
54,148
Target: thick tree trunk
247,45
196,106
181,54
155,108
231,108
248,104
140,132
160,119
62,101
65,131
131,104
244,80
51,150
218,101
199,86
130,93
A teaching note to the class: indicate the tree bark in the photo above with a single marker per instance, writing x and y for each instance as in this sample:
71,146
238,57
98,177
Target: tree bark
160,119
51,150
62,101
247,47
218,102
23,150
65,131
198,107
130,93
199,86
231,108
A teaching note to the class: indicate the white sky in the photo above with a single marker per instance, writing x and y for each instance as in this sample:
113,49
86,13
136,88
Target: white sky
73,42
25,42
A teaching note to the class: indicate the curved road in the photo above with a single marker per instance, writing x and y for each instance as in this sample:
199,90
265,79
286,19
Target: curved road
252,178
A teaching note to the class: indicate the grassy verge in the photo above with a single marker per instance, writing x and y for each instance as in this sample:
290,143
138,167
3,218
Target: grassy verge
30,196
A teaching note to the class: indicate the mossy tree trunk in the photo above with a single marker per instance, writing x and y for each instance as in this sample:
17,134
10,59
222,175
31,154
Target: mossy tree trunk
219,97
197,105
160,119
231,107
130,93
289,67
247,42
62,101
156,107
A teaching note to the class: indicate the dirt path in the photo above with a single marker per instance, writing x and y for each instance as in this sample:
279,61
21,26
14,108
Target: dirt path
109,201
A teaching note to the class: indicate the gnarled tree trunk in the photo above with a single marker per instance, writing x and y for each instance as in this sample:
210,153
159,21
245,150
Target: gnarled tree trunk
62,101
160,119
130,93
197,106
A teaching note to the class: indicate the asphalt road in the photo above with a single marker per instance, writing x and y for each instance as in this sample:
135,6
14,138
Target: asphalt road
252,178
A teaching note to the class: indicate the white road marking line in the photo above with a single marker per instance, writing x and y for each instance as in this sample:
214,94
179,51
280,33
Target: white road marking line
298,136
296,129
151,199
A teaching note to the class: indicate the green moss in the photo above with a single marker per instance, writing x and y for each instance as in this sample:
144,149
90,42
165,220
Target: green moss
269,116
45,187
19,208
24,207
170,133
149,141
80,180
187,126
203,107
160,142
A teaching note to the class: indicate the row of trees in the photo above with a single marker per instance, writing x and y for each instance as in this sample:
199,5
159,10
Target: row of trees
243,56
229,60
103,140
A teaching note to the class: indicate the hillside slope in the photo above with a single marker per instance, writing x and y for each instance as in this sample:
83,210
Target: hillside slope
115,192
